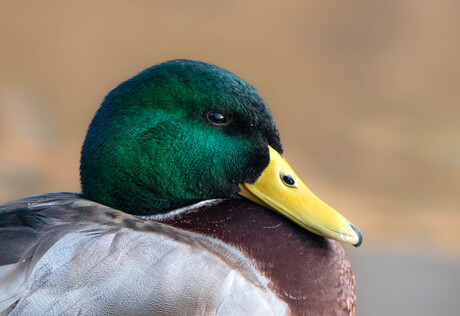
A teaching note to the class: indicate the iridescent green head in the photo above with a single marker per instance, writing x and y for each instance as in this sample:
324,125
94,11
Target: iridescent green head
177,133
185,131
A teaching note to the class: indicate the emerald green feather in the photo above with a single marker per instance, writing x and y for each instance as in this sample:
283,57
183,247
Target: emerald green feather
151,148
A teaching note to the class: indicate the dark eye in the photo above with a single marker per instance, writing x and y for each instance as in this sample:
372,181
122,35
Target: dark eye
217,118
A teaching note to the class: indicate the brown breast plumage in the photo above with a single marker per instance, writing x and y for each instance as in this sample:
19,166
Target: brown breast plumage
310,273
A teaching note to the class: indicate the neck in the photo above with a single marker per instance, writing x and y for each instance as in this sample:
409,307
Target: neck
134,199
180,212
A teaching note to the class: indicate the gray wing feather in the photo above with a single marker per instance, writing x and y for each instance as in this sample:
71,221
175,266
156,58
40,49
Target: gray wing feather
85,258
22,221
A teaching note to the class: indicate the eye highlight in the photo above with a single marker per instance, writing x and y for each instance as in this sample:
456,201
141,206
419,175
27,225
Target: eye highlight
217,118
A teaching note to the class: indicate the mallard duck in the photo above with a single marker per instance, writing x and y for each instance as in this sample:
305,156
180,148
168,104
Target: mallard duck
187,207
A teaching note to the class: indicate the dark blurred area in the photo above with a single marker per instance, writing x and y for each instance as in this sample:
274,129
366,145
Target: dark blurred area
365,95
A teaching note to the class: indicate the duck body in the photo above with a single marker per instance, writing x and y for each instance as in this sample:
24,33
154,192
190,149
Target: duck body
210,258
162,225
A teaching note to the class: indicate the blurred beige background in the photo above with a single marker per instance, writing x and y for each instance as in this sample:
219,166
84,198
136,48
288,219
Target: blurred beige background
366,95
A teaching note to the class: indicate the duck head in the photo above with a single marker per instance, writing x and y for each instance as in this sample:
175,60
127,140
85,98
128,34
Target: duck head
185,131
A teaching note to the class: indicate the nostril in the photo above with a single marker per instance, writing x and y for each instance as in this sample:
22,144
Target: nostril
288,180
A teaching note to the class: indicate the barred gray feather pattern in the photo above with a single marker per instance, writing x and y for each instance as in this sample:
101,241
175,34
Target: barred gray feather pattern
65,255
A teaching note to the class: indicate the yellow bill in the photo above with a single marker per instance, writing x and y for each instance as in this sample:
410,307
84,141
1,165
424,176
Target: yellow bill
280,189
